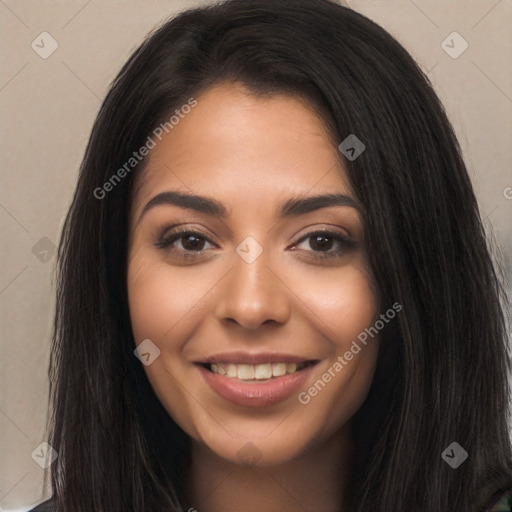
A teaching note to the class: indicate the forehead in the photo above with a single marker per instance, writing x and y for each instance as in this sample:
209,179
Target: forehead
235,144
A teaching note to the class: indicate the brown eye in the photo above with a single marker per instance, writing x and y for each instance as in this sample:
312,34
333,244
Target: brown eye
192,242
321,243
186,242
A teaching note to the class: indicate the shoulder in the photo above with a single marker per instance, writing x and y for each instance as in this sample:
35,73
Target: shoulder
46,506
500,502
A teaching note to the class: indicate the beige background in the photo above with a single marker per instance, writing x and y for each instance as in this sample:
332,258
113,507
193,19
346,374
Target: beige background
48,107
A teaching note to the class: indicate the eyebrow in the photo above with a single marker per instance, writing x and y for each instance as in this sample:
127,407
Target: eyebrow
293,206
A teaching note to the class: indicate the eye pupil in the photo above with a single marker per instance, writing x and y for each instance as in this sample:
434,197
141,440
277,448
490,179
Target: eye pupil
322,242
192,242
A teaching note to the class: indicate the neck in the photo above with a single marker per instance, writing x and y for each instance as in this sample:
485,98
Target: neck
314,481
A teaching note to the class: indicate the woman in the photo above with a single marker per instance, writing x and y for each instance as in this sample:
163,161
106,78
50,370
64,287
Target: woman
274,287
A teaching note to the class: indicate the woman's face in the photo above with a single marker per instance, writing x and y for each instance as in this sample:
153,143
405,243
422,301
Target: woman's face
252,310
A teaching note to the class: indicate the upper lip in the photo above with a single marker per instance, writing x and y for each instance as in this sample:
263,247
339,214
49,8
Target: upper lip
254,358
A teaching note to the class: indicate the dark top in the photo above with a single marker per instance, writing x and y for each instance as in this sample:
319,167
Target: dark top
46,506
501,502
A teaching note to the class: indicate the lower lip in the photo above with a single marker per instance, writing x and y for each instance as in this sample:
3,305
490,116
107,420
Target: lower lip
256,393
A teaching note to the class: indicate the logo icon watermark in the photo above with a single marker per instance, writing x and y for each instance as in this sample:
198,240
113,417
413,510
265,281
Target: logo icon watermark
454,455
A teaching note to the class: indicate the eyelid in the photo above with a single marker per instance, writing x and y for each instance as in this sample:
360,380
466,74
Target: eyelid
327,229
345,243
166,242
179,229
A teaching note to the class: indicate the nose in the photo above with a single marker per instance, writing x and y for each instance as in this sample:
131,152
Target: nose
253,294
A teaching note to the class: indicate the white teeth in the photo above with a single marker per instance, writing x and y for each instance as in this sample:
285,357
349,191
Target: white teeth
291,367
263,371
278,369
245,371
231,370
255,371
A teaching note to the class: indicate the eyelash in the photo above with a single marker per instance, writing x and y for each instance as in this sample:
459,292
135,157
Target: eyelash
166,241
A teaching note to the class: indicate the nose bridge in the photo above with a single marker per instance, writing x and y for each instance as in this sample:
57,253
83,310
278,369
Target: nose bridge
252,293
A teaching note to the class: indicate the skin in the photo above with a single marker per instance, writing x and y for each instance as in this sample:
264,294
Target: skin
251,153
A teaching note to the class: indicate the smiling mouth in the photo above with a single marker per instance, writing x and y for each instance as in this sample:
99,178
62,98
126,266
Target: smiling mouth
256,372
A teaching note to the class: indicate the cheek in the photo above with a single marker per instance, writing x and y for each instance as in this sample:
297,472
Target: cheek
147,301
164,307
342,306
342,303
163,302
